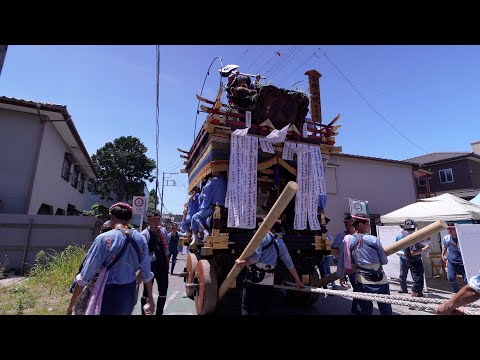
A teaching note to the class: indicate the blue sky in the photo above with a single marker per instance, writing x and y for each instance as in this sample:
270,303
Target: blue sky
429,93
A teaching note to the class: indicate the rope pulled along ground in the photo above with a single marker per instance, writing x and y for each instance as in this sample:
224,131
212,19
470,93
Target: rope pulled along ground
421,303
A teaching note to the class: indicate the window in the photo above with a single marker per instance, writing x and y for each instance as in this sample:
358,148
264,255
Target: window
81,183
67,165
76,174
45,209
71,210
446,176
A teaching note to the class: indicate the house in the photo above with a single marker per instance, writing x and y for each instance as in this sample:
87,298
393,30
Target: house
45,165
457,173
386,185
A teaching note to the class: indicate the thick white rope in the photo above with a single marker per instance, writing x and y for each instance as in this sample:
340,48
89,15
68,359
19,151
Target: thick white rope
417,302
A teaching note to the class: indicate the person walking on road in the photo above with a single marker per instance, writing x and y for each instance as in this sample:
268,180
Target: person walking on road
120,287
157,248
172,239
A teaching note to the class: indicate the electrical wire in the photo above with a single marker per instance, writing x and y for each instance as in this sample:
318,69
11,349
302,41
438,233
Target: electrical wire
371,106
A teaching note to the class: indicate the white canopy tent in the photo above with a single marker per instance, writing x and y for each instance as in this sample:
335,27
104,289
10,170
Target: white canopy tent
476,200
445,207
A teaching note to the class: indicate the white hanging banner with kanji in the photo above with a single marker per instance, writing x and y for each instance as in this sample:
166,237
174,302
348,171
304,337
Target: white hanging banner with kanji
288,150
311,184
241,199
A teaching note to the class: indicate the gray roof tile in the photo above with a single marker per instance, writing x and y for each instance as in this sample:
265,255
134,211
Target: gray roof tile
436,156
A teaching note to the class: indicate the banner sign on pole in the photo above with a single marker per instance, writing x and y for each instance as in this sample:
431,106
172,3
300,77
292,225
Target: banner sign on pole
358,206
139,204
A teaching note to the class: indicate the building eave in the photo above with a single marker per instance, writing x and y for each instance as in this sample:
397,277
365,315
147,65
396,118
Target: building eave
63,123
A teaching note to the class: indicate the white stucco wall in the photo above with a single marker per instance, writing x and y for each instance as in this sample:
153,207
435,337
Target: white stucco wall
18,141
387,186
49,187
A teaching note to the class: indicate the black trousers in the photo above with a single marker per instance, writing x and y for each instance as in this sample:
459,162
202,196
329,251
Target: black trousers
416,269
257,299
160,272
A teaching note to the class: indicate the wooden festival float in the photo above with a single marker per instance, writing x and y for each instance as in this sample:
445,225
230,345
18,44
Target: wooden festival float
272,108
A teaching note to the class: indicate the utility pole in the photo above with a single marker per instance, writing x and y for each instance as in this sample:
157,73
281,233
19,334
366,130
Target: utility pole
3,54
169,183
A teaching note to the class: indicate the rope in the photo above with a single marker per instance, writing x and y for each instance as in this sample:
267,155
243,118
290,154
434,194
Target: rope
416,302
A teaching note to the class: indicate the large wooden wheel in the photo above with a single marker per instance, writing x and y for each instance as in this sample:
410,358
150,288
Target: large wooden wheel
191,267
206,295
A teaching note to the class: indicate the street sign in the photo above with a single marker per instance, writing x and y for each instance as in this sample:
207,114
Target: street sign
358,206
139,204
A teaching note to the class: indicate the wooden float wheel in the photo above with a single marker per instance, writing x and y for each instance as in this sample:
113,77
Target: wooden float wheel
299,298
191,267
206,295
311,298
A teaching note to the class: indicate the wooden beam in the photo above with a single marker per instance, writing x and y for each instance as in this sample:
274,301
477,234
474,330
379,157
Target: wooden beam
334,120
287,166
267,163
277,209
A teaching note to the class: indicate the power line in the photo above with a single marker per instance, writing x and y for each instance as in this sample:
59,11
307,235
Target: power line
275,54
243,55
386,93
298,67
371,106
284,58
258,57
292,56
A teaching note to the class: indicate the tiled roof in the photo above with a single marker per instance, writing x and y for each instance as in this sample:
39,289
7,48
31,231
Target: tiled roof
437,156
30,101
54,108
405,162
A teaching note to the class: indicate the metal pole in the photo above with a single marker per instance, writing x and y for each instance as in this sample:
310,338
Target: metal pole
161,199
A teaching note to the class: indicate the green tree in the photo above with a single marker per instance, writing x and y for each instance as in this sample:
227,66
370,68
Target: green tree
151,200
99,211
123,168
